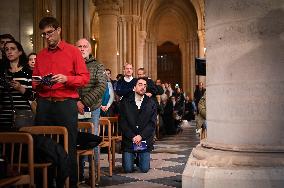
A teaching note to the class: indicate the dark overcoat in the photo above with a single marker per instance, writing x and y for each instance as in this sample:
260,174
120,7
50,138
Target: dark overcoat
137,122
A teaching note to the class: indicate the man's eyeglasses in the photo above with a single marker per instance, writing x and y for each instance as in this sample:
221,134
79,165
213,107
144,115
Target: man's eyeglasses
83,46
48,33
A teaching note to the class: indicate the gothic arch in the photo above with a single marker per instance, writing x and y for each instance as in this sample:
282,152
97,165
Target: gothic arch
151,16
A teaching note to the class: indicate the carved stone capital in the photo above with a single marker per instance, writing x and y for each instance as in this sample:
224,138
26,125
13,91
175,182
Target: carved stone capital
129,18
107,7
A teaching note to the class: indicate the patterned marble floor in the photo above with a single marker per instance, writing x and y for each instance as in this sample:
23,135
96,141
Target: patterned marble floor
167,163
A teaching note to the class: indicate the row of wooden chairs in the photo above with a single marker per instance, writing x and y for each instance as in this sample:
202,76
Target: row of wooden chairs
24,137
54,132
12,146
110,134
108,130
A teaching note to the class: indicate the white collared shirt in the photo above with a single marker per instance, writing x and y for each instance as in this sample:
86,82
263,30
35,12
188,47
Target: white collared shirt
138,100
128,79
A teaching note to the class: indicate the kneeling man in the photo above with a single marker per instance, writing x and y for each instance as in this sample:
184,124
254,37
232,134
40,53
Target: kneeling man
138,122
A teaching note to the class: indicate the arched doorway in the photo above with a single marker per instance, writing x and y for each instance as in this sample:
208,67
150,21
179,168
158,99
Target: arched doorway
169,63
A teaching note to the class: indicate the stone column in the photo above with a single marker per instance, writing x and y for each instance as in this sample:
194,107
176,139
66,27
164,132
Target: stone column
186,65
128,40
40,11
140,50
108,12
245,98
151,58
87,19
201,37
193,53
201,52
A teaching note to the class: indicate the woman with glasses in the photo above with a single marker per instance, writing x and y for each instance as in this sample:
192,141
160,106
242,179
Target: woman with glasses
15,88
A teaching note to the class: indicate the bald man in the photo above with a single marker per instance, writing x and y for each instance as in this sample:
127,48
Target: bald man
91,95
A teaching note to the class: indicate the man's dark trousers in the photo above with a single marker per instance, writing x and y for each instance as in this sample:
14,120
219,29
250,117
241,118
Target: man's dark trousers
62,113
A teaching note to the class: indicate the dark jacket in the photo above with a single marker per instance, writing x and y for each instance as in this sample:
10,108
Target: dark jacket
47,150
160,90
198,93
145,119
91,95
151,87
124,88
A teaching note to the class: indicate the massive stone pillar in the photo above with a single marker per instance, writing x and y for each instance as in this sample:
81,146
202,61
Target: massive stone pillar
151,58
128,40
201,52
245,98
186,48
201,37
140,49
107,48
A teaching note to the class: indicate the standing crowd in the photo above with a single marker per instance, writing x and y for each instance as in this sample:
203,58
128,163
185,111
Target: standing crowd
64,84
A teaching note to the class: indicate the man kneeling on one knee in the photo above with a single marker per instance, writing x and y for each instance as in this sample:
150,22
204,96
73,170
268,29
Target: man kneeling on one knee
138,122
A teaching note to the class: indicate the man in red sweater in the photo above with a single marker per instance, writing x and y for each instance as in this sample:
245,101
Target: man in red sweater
57,93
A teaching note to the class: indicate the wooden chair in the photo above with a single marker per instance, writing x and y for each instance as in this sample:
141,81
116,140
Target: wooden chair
14,142
87,127
158,127
115,136
54,132
104,131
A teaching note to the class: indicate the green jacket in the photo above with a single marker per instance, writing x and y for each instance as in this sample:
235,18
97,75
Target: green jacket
201,117
91,95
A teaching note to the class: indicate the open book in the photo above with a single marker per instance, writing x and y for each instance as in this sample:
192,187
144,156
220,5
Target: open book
45,80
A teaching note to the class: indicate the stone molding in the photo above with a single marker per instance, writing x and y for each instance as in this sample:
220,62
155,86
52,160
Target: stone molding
129,18
142,37
107,7
242,148
206,157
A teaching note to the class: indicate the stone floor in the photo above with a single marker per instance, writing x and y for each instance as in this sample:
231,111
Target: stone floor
167,163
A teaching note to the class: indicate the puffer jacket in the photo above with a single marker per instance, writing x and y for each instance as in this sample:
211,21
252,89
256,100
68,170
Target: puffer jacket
201,117
91,95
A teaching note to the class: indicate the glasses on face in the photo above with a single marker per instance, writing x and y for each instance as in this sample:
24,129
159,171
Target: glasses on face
3,41
48,33
83,46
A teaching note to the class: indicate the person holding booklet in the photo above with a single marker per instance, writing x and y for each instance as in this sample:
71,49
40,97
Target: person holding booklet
15,88
63,71
137,122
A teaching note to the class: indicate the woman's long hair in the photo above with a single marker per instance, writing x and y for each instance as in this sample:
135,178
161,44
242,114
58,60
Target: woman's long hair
23,60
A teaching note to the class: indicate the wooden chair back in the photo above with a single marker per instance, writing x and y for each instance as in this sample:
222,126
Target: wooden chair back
54,132
57,133
116,136
86,127
115,131
104,131
12,147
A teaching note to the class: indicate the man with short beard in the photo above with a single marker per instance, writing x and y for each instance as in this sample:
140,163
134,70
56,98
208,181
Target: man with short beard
138,122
